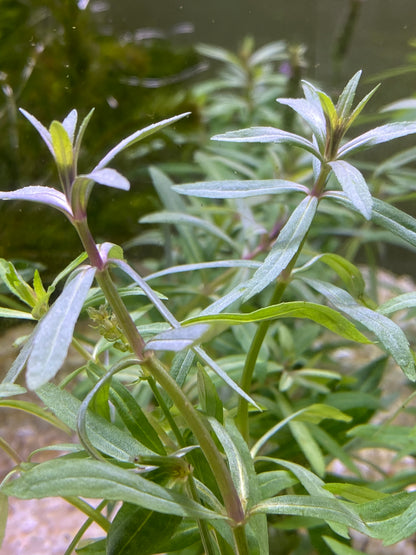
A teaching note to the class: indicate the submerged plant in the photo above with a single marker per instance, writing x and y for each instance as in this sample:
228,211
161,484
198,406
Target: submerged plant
197,444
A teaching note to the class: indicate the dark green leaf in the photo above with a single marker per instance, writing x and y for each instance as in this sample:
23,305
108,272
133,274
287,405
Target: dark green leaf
138,531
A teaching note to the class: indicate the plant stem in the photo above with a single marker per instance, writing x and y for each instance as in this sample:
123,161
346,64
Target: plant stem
250,363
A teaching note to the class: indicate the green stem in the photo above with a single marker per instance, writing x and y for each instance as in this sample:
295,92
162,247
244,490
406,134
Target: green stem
250,363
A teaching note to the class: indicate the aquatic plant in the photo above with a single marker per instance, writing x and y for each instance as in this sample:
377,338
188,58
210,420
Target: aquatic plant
210,407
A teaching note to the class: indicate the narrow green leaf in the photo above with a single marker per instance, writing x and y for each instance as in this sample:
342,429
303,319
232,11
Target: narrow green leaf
21,359
391,218
16,284
329,109
203,266
174,203
135,530
62,145
323,315
238,189
209,400
268,135
346,98
66,477
104,435
18,314
43,195
134,418
11,389
177,219
311,506
354,186
41,129
135,137
390,334
54,335
354,493
285,248
401,302
235,462
80,134
378,135
218,53
304,438
360,106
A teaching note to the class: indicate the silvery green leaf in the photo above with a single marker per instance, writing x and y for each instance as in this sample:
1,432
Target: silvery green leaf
44,195
12,313
218,53
267,135
391,218
271,52
55,330
311,113
390,334
379,135
135,137
81,132
354,186
174,218
401,302
253,264
70,123
346,98
177,339
175,203
285,247
316,506
109,177
21,359
404,104
235,462
97,479
238,189
41,129
10,389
